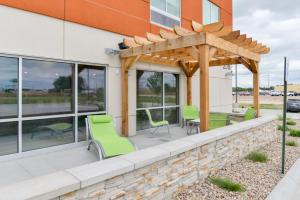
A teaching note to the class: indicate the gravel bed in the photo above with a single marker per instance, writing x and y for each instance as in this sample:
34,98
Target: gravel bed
258,178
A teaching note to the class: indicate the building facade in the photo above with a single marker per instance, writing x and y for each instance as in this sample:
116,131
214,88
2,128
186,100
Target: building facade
55,68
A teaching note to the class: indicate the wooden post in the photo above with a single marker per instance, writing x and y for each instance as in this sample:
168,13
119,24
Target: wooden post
256,92
189,90
124,93
204,87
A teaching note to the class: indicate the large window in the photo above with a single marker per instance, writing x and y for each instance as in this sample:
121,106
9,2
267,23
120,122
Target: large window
211,12
158,92
8,87
91,88
47,87
165,12
44,103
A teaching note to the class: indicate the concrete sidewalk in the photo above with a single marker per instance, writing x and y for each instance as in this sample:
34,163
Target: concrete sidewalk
289,187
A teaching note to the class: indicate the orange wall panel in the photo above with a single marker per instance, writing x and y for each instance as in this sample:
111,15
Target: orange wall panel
98,15
52,8
127,17
191,10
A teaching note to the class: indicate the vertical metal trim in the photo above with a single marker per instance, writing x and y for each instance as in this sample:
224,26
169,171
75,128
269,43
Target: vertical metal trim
20,83
75,93
163,94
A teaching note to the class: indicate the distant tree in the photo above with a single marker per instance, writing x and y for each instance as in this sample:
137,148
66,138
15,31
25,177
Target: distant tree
154,83
62,83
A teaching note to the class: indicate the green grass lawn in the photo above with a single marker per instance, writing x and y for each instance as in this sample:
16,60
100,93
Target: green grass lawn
263,106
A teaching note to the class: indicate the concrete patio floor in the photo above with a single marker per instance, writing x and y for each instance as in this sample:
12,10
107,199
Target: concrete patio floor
21,169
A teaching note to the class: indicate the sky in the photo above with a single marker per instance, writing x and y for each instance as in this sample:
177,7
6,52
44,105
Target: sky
275,23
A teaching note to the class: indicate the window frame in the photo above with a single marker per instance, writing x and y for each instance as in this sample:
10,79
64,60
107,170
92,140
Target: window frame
164,106
165,13
75,113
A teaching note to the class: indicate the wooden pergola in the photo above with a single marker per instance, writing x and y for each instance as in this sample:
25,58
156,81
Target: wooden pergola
206,46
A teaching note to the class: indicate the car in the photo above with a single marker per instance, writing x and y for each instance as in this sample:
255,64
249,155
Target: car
290,94
293,105
275,93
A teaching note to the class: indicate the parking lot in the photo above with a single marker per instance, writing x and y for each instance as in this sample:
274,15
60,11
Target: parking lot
267,99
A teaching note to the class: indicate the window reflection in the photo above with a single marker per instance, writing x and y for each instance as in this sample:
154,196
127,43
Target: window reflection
143,120
8,138
91,88
171,89
172,115
149,89
8,87
47,132
47,87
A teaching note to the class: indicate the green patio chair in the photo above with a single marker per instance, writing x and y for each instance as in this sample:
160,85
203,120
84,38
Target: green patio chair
105,138
56,128
218,120
189,113
249,114
157,124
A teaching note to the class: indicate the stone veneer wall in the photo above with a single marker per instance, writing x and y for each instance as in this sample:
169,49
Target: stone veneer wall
152,173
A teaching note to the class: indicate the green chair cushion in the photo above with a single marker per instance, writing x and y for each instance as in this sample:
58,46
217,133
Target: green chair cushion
250,114
105,134
160,123
101,118
155,124
218,120
190,112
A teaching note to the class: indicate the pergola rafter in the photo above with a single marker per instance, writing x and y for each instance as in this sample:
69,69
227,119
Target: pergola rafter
200,48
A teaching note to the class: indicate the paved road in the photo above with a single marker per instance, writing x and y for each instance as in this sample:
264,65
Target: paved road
265,112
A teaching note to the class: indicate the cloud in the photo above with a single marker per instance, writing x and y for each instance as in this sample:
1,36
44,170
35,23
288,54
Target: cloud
276,24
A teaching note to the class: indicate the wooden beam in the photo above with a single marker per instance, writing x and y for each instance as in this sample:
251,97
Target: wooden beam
141,40
168,35
184,67
197,26
189,89
222,62
182,31
246,63
224,31
193,51
256,98
154,38
130,42
130,61
194,68
204,87
214,27
233,35
232,48
170,44
159,62
124,100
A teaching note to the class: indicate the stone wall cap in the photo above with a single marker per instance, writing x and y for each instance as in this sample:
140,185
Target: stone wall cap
217,134
96,172
43,187
146,156
177,146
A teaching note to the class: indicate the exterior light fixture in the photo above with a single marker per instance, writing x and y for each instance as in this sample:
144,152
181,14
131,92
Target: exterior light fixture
109,51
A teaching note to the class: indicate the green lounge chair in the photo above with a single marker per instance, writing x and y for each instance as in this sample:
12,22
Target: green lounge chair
157,124
250,114
189,113
105,138
57,128
218,120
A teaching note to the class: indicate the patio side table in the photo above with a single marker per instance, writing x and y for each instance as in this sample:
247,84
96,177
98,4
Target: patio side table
193,124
